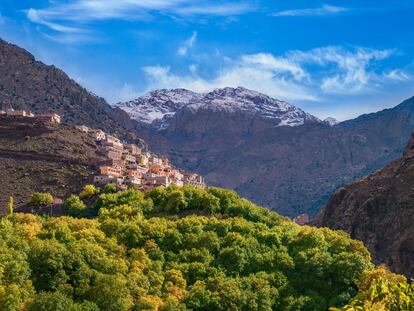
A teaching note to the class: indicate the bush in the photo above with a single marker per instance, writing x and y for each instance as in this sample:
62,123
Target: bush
74,206
88,191
110,188
41,199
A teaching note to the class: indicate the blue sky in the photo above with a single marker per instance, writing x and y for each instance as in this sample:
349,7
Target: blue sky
332,58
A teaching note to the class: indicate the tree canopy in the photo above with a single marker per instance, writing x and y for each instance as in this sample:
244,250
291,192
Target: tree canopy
177,249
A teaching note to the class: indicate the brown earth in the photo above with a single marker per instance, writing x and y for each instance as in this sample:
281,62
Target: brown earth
41,157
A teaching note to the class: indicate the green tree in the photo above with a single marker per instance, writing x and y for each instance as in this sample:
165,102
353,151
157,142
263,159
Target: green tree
10,206
109,188
88,191
41,199
74,206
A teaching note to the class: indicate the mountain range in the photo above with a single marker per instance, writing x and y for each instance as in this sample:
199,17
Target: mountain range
268,150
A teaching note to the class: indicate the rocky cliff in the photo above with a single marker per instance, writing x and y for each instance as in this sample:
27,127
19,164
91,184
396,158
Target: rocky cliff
378,210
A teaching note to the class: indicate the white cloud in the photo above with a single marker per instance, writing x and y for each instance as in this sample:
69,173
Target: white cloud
188,44
294,76
321,11
59,16
248,71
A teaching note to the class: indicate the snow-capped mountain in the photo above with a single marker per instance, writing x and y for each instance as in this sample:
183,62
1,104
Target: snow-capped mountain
331,121
159,106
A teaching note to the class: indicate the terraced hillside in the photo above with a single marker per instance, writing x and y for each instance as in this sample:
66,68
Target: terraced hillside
53,158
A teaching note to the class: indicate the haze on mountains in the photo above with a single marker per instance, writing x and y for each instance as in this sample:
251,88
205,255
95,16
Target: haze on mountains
378,210
291,169
268,151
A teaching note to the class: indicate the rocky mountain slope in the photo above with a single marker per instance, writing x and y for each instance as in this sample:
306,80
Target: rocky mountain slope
29,84
158,108
38,157
378,210
239,139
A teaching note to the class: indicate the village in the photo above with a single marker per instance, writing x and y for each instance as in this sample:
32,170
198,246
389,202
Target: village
125,165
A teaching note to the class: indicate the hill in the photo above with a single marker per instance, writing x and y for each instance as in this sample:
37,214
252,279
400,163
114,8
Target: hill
29,84
267,150
43,157
182,249
378,210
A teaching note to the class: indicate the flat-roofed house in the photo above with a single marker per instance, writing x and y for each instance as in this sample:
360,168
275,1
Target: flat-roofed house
133,149
113,140
98,135
83,128
156,180
19,113
130,159
114,155
49,117
134,181
193,179
107,179
110,171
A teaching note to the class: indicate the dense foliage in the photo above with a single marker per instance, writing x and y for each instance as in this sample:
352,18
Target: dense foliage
382,291
173,249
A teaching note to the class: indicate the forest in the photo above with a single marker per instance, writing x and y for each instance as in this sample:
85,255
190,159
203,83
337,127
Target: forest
183,249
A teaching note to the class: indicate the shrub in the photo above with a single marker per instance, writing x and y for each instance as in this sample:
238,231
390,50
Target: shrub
109,188
88,191
75,206
41,199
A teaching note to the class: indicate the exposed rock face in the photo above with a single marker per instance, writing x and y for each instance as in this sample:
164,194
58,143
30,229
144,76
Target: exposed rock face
158,108
29,84
235,139
379,210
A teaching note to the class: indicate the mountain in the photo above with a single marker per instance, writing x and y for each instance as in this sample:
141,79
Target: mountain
269,151
158,108
378,210
29,84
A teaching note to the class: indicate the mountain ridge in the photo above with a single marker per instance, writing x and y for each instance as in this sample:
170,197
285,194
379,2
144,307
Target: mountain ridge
159,106
291,169
377,210
32,85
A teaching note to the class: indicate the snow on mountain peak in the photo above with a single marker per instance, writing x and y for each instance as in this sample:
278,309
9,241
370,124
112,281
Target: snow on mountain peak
157,107
331,121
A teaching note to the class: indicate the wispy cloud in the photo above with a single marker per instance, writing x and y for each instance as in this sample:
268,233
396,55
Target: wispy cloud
188,44
74,16
319,11
295,76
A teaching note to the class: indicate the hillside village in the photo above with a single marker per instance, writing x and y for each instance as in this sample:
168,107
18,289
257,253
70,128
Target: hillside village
123,164
128,165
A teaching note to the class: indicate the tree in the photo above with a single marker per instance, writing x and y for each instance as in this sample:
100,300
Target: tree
47,301
75,206
109,188
10,206
88,191
41,199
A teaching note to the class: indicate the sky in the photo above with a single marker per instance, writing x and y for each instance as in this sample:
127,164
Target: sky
331,58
